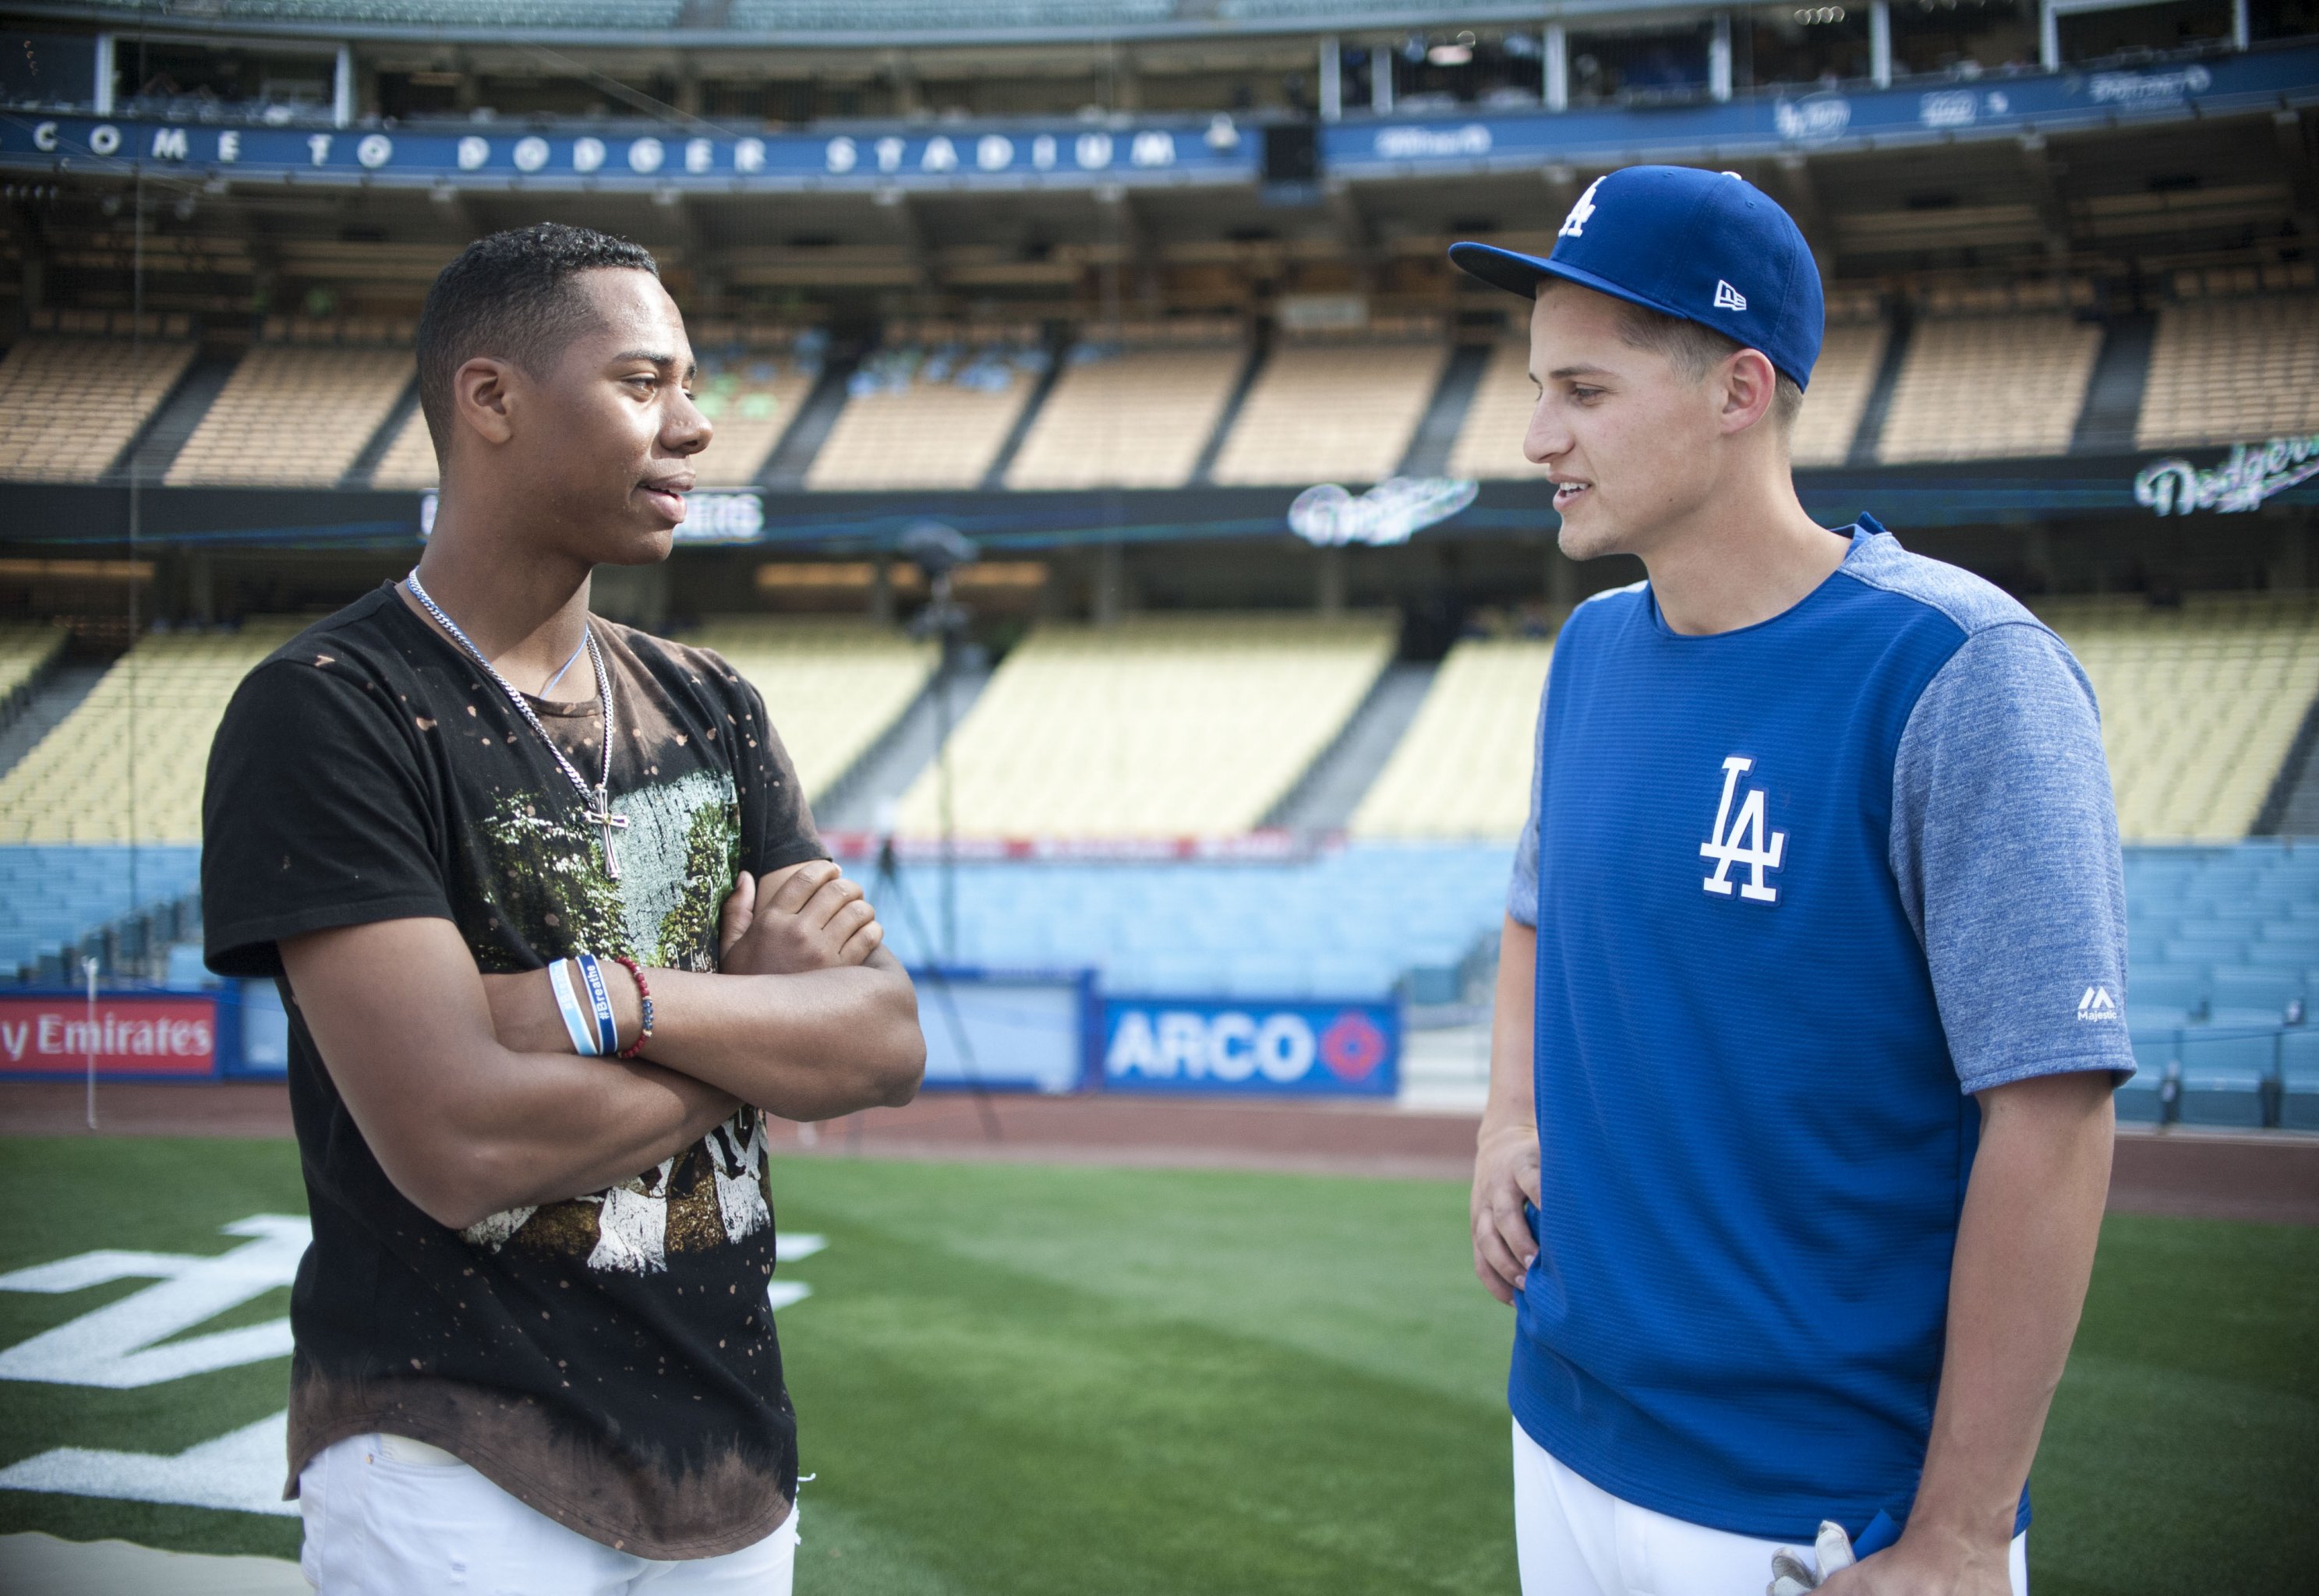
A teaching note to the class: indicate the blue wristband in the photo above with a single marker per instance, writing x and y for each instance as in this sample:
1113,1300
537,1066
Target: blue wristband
608,1029
576,1021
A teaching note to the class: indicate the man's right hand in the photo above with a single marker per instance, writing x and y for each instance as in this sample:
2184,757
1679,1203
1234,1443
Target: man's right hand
1505,1176
806,917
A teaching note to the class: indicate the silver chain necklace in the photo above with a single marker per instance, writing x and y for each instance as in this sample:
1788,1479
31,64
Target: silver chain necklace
599,808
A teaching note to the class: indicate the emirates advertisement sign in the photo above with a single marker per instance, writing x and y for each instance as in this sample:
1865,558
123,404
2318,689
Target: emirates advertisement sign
125,1036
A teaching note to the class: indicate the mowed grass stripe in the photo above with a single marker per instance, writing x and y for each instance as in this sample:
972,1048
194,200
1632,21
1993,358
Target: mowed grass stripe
1030,1436
2184,1442
1024,1378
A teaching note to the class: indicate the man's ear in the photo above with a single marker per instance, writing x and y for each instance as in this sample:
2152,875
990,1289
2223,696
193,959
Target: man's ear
482,398
1750,384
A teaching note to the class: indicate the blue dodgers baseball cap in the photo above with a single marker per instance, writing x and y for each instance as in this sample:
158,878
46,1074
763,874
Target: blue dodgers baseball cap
1709,247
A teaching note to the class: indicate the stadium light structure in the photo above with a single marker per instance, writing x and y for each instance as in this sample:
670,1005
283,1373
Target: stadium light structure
940,550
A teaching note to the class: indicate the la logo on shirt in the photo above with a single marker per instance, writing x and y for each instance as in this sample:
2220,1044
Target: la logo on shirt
1743,839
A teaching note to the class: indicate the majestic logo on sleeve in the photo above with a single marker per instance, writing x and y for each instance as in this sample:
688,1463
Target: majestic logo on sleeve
1745,838
1573,226
2097,1005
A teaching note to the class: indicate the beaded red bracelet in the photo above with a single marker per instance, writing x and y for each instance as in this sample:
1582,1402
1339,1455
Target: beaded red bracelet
643,993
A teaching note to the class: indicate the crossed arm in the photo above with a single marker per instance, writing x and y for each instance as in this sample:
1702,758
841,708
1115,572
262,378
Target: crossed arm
467,1090
2024,1252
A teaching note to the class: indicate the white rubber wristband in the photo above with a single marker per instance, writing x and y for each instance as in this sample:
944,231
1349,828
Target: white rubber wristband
577,1021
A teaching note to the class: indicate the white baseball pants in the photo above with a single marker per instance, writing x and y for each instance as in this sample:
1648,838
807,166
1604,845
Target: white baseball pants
389,1517
1573,1538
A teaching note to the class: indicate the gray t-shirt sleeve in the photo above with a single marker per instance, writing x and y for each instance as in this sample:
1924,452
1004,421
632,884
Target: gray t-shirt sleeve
1521,891
2004,846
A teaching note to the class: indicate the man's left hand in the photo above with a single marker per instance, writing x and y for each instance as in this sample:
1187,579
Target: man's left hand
808,916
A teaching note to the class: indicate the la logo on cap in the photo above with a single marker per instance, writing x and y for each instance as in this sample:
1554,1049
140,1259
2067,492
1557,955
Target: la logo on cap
1573,226
1728,298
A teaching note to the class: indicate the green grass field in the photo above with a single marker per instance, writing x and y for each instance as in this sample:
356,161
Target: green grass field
1033,1379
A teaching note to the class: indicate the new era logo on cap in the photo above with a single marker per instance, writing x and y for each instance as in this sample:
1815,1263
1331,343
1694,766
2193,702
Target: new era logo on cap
1669,237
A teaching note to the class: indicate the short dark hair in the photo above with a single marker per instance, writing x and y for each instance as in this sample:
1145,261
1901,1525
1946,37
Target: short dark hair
1694,348
509,295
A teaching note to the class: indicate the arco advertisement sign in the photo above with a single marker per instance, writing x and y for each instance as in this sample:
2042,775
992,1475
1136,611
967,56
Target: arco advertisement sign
1250,1049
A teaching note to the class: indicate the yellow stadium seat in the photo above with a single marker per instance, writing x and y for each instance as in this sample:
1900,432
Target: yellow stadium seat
1990,387
1463,768
1161,727
831,688
68,406
127,765
2232,371
1341,412
294,416
2200,705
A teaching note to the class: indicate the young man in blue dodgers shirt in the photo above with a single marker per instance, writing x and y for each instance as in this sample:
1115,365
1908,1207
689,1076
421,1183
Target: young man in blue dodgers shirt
1808,1018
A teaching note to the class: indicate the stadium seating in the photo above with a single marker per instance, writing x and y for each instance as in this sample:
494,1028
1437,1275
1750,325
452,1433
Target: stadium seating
622,14
293,415
750,387
1463,768
1157,727
2199,704
1849,359
1345,925
1335,410
931,409
751,392
408,461
1984,387
2232,371
903,15
1133,415
2223,945
832,687
51,895
26,649
68,405
1490,438
2299,1080
127,765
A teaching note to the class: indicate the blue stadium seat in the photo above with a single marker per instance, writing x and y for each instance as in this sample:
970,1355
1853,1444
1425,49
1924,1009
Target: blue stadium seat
2158,996
2263,991
2137,1099
2280,955
2222,1077
2205,950
2298,1107
54,894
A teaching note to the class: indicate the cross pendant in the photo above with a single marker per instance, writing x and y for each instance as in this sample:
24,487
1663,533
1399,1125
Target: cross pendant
600,813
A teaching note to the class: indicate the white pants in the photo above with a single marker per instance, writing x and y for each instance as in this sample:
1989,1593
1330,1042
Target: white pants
388,1517
1574,1538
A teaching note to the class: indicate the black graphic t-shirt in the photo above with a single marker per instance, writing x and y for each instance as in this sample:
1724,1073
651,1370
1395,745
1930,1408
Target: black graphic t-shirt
610,1360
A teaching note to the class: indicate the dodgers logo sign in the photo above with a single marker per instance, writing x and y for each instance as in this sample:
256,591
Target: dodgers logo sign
1308,1048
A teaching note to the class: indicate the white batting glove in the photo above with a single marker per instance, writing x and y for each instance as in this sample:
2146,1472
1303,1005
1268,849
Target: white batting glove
1791,1577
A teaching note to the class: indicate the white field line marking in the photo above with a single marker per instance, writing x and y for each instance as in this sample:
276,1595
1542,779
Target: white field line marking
241,1471
114,1348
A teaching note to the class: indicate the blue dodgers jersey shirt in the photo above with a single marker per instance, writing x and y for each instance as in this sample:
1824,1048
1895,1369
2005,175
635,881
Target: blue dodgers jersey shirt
1765,867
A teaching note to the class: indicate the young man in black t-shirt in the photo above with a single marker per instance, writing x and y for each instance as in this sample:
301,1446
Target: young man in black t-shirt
534,1347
